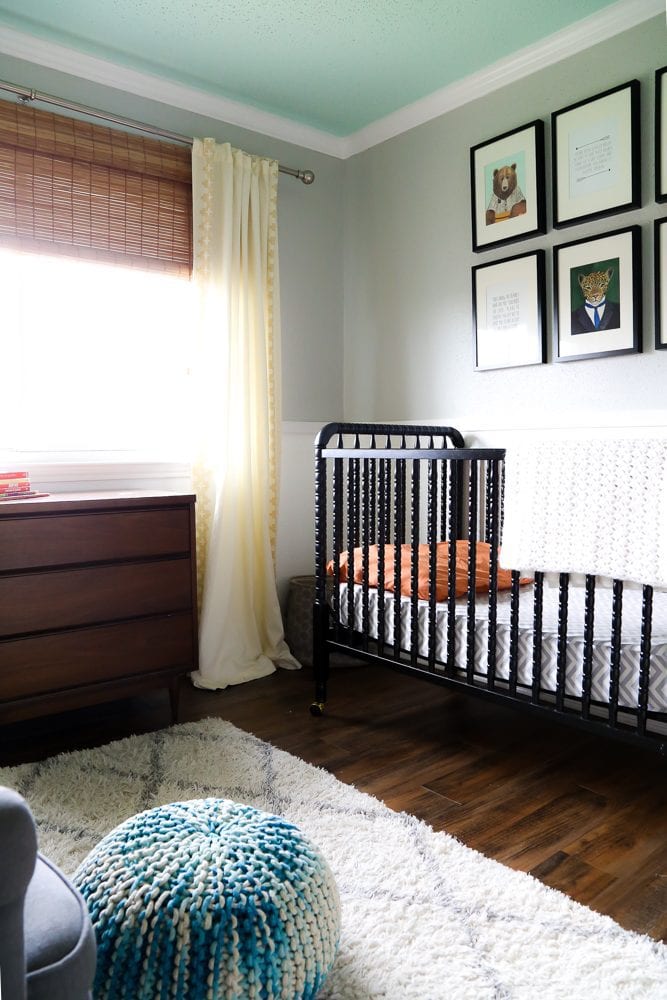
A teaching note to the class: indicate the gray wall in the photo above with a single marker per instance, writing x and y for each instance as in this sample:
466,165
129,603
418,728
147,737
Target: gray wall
408,259
310,223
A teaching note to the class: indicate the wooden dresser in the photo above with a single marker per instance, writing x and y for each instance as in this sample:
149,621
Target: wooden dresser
97,599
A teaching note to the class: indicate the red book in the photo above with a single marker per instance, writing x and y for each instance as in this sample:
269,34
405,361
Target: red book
15,484
12,476
18,487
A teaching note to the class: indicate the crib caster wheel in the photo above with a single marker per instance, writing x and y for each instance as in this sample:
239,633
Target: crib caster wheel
317,708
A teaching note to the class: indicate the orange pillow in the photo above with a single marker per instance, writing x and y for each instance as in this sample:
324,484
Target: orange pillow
482,569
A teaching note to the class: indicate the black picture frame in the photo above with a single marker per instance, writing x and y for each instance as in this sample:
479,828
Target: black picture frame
519,154
595,146
661,134
509,312
660,282
618,255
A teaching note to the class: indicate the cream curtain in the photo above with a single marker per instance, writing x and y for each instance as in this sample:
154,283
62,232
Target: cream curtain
235,474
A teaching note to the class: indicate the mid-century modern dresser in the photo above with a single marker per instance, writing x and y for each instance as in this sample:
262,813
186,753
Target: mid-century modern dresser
97,598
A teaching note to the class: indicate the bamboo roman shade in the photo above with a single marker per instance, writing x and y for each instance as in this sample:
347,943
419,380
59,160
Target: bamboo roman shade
72,187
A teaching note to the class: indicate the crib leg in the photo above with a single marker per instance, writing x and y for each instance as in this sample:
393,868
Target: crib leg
320,657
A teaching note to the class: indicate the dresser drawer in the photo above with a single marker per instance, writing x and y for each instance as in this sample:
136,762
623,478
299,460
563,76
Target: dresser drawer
40,602
59,539
97,598
57,661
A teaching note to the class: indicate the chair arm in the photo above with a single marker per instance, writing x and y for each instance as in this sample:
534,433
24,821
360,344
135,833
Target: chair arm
18,846
18,853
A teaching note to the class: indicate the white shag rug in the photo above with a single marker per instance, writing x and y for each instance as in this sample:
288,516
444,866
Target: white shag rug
423,917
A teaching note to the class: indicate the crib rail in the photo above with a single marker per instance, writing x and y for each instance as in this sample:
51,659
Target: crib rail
384,490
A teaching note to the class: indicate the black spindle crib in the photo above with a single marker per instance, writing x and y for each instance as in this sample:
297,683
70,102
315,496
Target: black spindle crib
408,529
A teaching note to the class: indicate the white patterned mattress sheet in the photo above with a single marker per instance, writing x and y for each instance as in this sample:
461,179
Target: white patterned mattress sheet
630,638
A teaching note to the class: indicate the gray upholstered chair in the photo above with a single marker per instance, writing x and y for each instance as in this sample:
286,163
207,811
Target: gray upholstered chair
47,942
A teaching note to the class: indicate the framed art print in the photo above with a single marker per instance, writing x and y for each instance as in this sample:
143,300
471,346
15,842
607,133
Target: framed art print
661,134
597,296
508,312
507,187
660,252
595,149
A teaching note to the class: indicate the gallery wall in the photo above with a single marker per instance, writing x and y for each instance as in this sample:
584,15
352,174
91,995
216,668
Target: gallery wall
408,261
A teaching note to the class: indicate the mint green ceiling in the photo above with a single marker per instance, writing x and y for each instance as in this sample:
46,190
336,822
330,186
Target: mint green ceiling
337,65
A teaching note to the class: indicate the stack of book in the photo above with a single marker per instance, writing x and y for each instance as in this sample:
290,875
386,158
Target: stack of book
16,486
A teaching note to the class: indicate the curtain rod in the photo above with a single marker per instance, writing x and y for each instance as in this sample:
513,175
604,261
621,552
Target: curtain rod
26,94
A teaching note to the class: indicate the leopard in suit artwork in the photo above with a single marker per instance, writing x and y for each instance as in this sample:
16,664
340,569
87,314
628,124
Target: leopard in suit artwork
597,311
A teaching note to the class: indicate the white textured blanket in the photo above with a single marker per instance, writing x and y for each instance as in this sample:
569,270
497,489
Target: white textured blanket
597,506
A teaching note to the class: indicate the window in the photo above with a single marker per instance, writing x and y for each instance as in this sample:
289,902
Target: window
94,357
95,260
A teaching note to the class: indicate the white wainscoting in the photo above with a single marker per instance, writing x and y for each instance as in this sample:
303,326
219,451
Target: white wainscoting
296,515
296,521
572,424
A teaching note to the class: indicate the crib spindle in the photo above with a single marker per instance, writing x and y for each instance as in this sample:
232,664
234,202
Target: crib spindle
373,490
352,494
514,632
414,564
432,538
472,558
399,538
490,500
645,658
493,537
384,501
538,605
337,539
321,518
587,664
320,616
561,655
444,505
364,540
615,655
356,479
453,534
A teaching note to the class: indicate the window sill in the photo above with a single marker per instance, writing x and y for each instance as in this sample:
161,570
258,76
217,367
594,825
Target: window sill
100,472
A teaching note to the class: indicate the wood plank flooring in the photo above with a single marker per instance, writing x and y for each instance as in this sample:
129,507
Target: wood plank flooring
582,814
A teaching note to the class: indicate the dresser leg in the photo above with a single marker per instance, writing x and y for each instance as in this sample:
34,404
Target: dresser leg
174,689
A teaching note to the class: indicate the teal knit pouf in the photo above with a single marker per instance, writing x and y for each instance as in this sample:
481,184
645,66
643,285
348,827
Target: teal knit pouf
209,900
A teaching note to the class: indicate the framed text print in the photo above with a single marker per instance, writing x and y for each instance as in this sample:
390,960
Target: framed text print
595,149
660,251
508,312
661,134
507,187
597,296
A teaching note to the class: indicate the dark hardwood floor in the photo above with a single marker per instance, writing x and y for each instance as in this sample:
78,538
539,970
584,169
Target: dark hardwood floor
585,815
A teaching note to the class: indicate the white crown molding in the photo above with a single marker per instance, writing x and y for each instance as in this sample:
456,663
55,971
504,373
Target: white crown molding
576,38
177,95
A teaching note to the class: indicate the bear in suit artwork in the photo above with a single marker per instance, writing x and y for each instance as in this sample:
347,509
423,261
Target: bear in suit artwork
507,200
